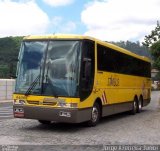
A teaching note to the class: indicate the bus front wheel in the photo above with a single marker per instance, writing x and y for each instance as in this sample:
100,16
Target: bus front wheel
95,115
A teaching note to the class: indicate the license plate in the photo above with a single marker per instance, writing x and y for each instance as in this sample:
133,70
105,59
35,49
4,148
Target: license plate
65,114
18,112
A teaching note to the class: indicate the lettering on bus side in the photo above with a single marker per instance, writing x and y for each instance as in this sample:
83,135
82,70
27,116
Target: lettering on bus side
113,81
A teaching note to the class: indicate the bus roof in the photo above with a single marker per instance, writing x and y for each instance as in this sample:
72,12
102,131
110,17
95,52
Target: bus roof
71,36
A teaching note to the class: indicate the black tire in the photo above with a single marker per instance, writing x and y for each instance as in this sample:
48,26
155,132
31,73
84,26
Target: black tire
134,106
140,105
95,115
44,122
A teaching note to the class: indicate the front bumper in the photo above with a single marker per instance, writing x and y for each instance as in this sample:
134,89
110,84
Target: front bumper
52,114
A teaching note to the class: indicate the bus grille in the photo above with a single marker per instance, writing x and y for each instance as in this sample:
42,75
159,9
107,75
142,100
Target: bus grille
49,103
33,102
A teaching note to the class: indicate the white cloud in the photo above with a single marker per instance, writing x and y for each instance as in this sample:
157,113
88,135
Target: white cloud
115,20
56,3
22,18
59,25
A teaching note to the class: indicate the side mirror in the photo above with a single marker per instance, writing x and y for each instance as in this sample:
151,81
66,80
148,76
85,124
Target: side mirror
87,67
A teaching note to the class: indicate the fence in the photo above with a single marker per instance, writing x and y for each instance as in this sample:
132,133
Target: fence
7,87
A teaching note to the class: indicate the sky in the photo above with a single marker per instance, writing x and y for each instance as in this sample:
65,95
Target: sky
109,20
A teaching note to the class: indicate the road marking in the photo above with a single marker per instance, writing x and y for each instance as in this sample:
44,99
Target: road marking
6,112
6,116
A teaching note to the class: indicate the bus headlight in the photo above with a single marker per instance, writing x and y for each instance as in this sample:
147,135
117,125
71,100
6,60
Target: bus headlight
19,102
69,105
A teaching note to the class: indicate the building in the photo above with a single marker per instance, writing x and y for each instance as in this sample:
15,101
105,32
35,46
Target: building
155,80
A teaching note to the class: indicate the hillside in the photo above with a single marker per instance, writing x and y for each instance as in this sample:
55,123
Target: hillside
134,47
9,49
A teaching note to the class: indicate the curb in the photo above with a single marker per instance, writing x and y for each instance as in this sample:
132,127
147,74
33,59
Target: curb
5,101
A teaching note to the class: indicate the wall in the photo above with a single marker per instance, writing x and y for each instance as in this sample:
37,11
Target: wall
7,87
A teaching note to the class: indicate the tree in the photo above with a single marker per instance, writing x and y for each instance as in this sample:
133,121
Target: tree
9,49
150,39
155,52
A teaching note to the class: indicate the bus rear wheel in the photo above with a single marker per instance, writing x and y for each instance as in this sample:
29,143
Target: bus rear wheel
95,115
139,105
134,106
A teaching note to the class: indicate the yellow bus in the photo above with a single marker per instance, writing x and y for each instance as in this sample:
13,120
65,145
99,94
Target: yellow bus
74,79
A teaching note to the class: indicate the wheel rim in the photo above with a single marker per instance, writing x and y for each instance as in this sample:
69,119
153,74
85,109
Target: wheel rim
94,114
135,106
140,105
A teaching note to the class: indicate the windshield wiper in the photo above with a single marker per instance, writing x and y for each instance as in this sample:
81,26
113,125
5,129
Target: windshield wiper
34,83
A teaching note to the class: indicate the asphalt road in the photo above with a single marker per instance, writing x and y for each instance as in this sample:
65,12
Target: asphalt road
121,129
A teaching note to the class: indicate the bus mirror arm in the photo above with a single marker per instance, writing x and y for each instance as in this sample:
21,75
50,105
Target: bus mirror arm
13,76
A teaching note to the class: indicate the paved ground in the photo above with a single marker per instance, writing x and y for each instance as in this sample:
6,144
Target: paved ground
142,128
6,111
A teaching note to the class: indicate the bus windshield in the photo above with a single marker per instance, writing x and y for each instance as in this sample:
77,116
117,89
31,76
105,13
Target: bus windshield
49,68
